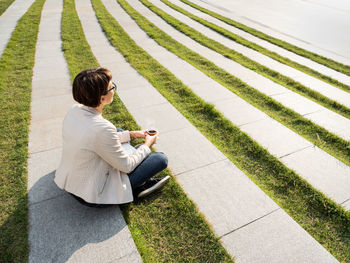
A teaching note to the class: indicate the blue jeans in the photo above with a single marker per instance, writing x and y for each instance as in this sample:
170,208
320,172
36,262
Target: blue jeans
150,166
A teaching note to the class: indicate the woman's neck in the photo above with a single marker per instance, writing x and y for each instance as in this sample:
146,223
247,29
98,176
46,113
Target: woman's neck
99,108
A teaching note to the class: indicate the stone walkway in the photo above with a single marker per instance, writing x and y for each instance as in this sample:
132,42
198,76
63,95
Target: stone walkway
283,52
320,169
62,230
218,8
245,219
9,18
310,82
239,212
320,115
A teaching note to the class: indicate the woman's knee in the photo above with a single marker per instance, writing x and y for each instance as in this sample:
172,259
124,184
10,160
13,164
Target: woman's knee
162,159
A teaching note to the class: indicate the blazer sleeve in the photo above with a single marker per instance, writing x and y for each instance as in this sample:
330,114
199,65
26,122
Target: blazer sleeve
124,136
108,146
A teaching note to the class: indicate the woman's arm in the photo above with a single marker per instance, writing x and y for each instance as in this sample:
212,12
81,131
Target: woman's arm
108,146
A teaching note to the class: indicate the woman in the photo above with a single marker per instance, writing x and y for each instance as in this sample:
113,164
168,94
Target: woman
95,167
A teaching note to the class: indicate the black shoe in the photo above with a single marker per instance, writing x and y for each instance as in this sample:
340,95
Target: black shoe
150,186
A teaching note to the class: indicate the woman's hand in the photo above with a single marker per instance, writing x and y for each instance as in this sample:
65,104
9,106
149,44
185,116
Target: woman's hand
137,134
150,140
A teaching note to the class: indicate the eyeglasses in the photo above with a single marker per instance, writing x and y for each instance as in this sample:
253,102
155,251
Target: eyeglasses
114,87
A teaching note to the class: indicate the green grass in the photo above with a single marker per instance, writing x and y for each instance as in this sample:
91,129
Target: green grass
327,222
260,49
251,64
16,67
4,4
166,227
329,142
345,69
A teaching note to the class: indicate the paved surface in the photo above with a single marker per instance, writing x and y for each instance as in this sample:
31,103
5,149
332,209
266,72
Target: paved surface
310,24
328,119
334,177
236,202
61,229
310,82
9,18
247,221
283,52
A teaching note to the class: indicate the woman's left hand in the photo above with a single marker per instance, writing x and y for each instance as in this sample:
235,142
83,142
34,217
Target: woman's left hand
137,134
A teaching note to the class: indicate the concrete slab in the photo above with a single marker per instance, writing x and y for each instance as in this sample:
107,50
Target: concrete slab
346,205
47,73
45,64
297,102
51,107
63,230
179,143
41,164
131,258
127,81
142,97
44,49
8,20
49,88
331,92
234,201
45,135
239,111
266,86
44,189
279,234
211,91
273,136
323,171
333,122
164,118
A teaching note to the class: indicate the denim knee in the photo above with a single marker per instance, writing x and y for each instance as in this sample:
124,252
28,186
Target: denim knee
119,130
162,160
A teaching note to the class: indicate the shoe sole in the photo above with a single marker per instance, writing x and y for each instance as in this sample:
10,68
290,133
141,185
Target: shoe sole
155,187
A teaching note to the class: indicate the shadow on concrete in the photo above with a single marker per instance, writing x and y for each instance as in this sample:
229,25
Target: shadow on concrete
61,229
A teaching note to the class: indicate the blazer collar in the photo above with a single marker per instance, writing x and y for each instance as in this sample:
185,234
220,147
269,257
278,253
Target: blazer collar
90,109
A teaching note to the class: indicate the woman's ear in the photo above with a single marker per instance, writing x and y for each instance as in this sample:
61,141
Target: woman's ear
102,100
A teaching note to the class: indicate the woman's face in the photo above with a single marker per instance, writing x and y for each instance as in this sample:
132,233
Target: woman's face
108,98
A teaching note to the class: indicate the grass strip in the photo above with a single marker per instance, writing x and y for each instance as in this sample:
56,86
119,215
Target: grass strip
329,142
166,226
251,64
326,221
345,69
260,49
4,4
16,69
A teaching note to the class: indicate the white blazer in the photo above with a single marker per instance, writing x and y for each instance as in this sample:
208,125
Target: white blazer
94,165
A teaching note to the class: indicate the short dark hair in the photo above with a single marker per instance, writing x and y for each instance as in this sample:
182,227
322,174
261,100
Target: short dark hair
89,85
